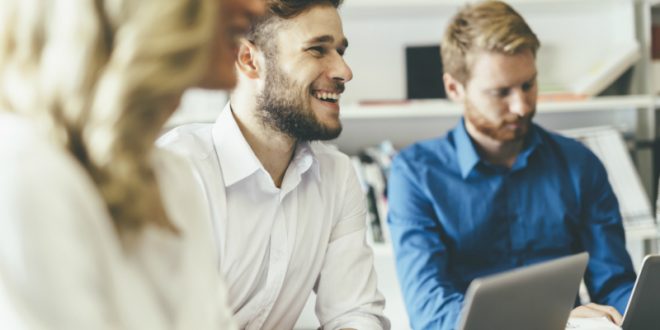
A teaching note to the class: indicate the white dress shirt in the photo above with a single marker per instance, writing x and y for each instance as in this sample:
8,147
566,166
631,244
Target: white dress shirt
276,245
62,265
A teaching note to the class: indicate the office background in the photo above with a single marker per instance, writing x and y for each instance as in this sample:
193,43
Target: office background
597,67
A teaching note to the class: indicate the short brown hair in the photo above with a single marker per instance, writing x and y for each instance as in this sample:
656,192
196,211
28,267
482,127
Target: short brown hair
491,26
262,30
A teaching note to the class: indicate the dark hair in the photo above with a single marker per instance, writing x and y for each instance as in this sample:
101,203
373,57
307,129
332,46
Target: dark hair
262,30
291,8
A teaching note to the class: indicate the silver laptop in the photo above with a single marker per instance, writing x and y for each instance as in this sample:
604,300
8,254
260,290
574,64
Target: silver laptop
643,310
538,297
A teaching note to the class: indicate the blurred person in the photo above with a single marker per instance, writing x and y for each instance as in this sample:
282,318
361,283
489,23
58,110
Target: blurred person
498,191
98,229
288,211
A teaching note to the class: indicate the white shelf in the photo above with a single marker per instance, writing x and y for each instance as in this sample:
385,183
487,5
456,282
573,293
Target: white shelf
445,108
603,103
403,109
642,232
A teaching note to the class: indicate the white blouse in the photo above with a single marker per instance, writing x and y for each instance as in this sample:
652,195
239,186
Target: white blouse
62,265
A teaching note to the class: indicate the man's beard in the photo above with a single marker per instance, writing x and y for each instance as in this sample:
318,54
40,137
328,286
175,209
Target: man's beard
281,109
498,131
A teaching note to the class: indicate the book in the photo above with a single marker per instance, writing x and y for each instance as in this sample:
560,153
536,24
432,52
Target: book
607,69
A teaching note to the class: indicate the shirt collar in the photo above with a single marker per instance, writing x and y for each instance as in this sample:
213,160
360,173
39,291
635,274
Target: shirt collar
533,141
468,157
305,159
237,159
235,155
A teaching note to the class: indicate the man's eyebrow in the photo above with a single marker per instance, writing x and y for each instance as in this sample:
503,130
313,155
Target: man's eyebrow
533,77
327,39
496,88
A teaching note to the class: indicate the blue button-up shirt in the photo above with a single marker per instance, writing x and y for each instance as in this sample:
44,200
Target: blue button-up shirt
454,217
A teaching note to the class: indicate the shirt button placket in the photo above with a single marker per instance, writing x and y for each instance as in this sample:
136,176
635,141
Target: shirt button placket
278,267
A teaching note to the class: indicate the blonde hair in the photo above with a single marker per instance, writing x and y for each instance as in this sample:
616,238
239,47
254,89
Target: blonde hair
491,26
105,76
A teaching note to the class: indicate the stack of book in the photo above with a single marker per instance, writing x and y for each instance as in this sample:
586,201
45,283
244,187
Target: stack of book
372,166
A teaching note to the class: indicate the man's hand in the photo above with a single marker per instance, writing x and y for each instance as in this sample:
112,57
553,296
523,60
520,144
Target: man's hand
595,310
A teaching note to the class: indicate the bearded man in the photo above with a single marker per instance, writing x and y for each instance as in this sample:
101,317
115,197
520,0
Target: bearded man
288,211
498,191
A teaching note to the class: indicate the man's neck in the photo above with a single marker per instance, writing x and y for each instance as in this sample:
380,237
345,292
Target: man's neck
494,151
273,149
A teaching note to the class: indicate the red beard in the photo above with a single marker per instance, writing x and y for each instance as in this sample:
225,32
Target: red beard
499,131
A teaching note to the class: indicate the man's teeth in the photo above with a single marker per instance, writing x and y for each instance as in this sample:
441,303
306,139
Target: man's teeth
324,96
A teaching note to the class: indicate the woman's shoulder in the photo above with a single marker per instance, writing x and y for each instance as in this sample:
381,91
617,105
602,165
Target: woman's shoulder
41,184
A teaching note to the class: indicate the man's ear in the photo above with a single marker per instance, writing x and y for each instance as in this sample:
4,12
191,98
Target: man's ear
247,60
454,88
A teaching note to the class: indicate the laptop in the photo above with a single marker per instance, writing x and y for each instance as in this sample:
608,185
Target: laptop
642,312
539,296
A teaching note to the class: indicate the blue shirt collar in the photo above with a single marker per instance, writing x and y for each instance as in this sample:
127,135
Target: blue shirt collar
533,141
468,157
467,154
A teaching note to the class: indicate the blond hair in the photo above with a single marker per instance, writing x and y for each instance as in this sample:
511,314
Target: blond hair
105,76
490,26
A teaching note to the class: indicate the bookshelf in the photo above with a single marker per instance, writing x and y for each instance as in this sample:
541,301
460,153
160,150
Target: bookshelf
569,48
574,33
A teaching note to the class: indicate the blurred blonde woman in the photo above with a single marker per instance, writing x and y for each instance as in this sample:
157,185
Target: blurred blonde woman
99,230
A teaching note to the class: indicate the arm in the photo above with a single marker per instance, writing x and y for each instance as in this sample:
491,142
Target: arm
610,275
432,299
592,310
48,255
347,296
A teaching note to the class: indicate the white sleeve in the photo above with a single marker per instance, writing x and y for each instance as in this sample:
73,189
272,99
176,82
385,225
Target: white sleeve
49,252
347,294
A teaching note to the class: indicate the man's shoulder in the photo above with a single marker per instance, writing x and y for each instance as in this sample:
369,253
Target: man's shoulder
29,148
327,152
42,173
570,148
434,151
190,140
330,159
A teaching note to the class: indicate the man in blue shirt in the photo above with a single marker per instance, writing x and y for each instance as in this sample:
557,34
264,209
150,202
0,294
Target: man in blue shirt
499,192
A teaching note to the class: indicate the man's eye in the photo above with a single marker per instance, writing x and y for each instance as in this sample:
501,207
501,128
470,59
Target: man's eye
316,50
499,93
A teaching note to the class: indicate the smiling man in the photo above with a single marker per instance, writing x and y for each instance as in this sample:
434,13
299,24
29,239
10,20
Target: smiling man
289,214
499,192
